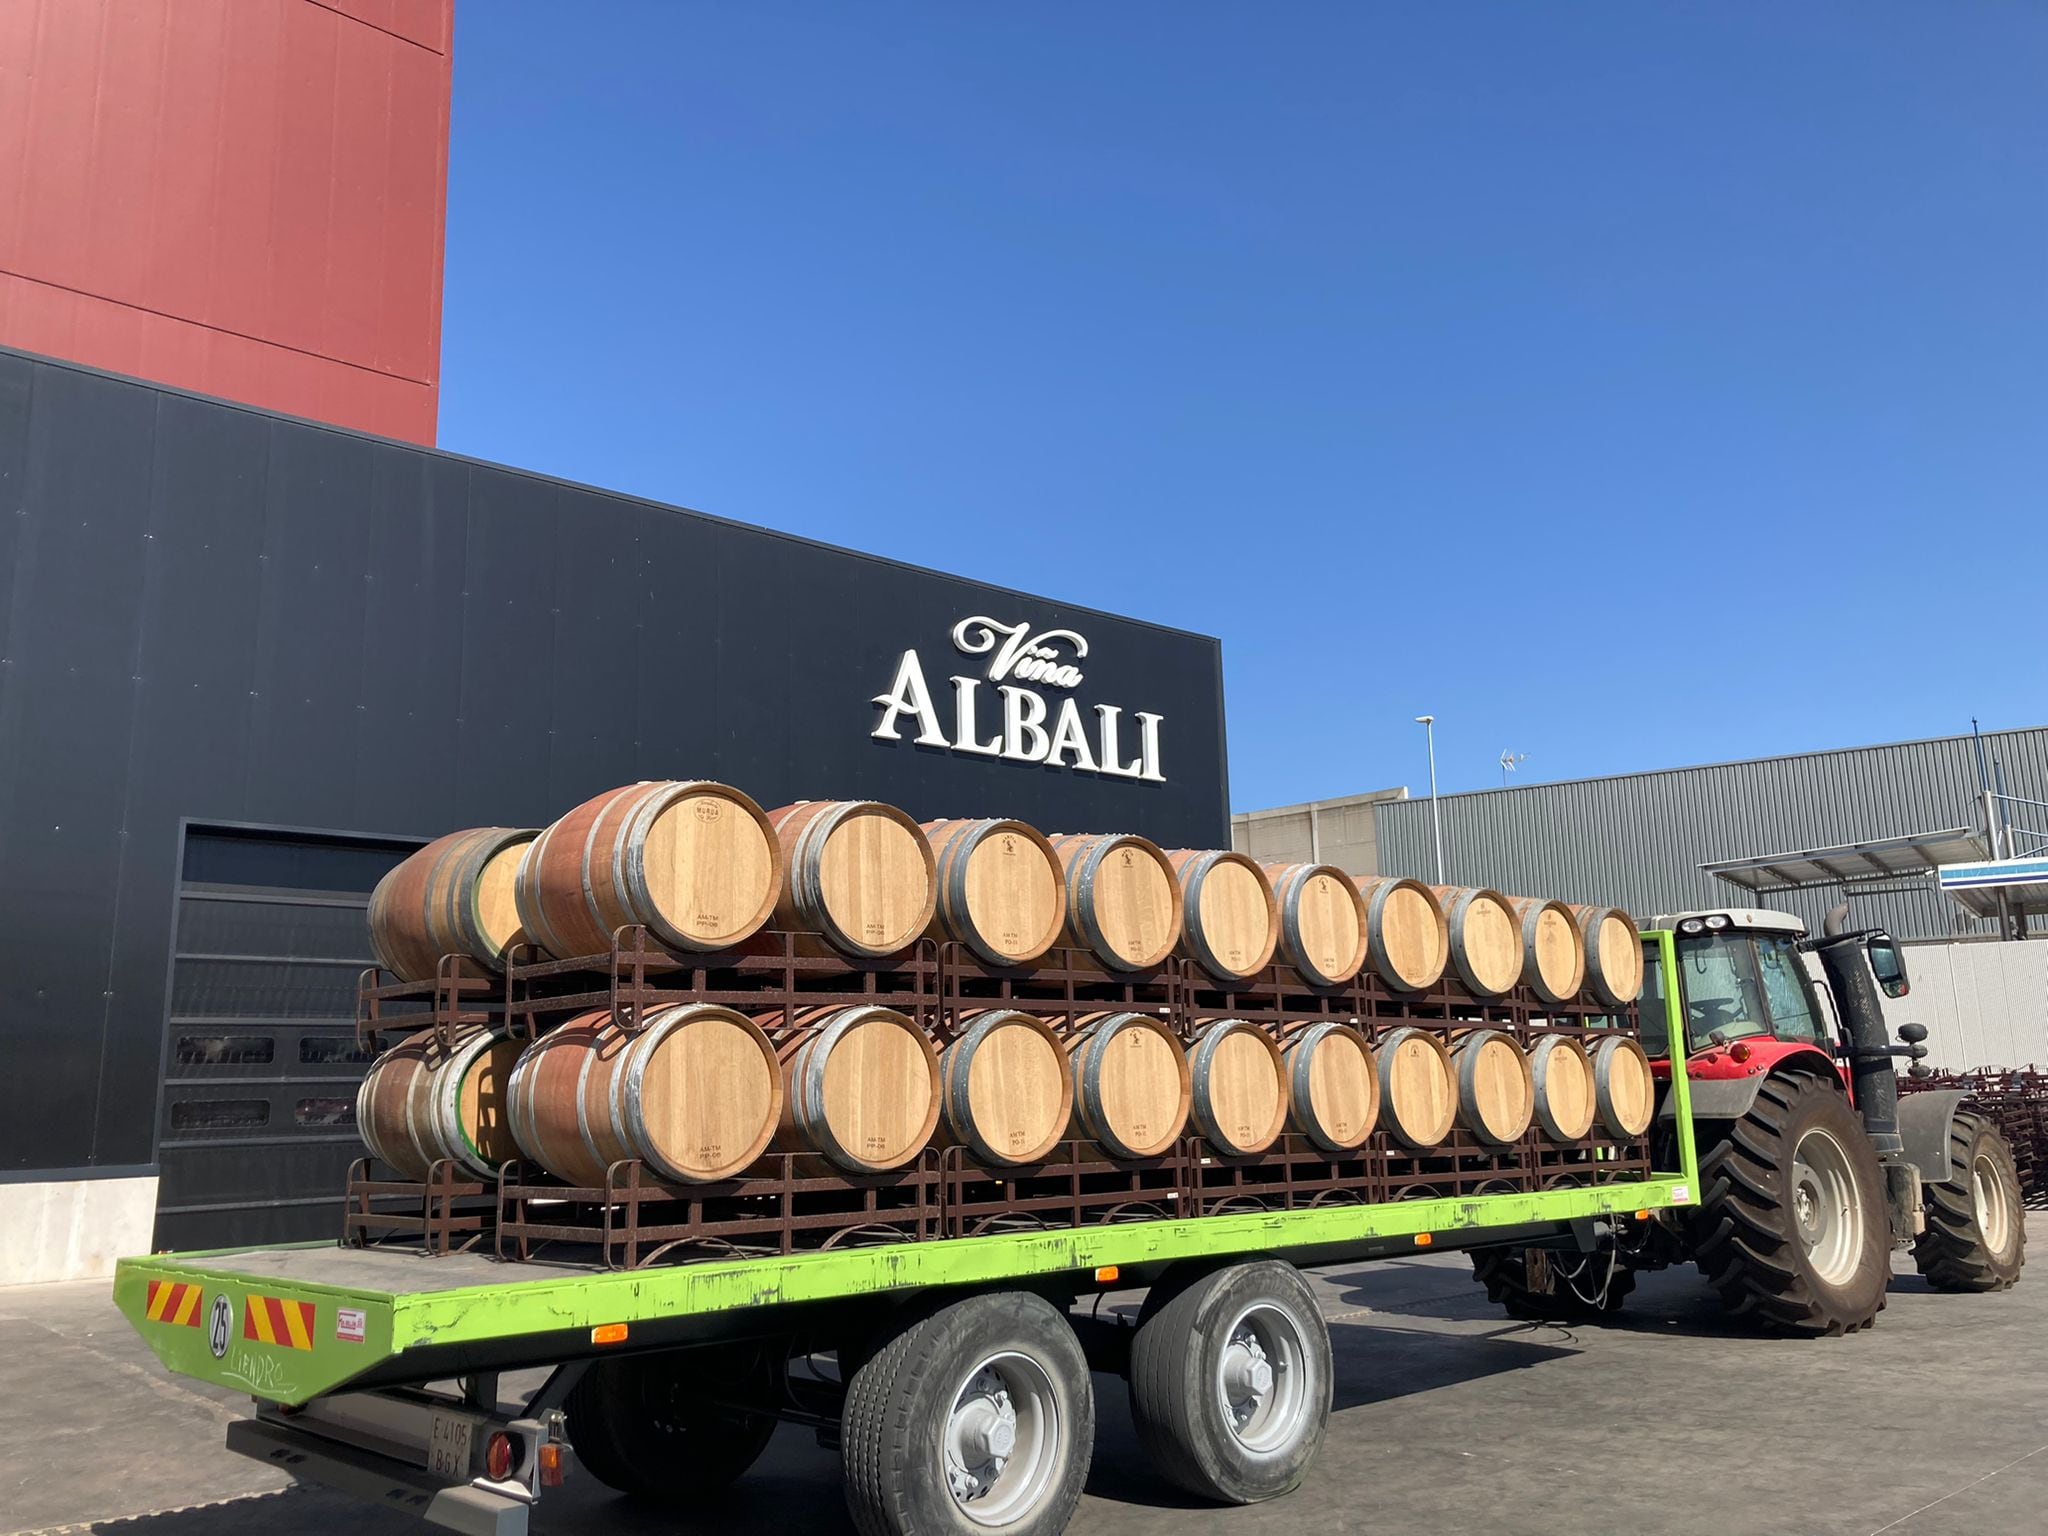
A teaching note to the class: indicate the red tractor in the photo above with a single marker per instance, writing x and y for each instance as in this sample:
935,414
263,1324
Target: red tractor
1810,1167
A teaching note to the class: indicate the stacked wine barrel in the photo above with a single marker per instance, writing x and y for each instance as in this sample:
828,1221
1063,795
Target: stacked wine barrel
1414,1051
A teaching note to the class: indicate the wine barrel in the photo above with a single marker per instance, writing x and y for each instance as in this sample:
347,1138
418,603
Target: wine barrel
857,873
1553,950
1123,899
861,1088
1333,1085
1496,1089
1485,938
1322,921
1229,922
1418,1087
452,897
695,1094
1002,889
1407,941
1007,1089
420,1104
1563,1080
1623,1087
693,862
1614,953
1131,1084
1239,1086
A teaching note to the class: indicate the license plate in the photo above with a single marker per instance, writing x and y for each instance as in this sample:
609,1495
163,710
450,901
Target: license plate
448,1449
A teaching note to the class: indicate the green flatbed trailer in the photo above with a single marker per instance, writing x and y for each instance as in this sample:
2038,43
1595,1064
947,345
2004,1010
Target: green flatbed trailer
376,1370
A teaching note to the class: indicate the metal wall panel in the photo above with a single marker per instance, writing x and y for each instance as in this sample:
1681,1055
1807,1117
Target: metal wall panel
218,614
1638,840
240,196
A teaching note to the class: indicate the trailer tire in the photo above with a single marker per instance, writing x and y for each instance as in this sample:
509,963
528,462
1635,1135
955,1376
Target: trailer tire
985,1402
1976,1237
1544,1285
1791,1227
1231,1380
640,1423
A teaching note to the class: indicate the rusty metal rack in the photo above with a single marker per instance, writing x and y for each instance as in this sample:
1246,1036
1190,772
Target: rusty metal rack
789,1202
461,993
2017,1099
1279,994
1065,985
767,972
1595,1161
1293,1175
449,1212
1077,1185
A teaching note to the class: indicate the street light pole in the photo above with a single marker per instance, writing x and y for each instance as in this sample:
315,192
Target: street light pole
1436,826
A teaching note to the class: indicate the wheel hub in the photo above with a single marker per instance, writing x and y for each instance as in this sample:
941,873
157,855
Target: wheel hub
1826,1206
1000,1440
1247,1374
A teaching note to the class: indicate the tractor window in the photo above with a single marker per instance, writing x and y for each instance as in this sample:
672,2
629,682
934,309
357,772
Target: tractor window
1723,999
1786,987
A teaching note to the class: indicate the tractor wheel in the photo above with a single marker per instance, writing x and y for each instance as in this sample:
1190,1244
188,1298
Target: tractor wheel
1547,1285
1976,1238
1791,1226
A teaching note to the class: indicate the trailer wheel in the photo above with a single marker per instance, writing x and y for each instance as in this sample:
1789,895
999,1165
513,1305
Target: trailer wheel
1791,1225
1976,1238
977,1415
1231,1380
644,1424
1548,1285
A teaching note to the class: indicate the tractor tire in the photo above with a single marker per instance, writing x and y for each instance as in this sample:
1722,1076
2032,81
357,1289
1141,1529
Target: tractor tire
1976,1237
640,1424
1791,1227
1544,1285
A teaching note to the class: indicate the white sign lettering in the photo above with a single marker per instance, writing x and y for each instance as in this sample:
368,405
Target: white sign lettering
1018,723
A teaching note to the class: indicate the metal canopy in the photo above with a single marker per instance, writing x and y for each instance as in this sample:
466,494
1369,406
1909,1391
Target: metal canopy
1915,856
1978,885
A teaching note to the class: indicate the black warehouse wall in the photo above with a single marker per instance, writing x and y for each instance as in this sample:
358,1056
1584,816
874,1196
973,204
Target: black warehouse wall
215,613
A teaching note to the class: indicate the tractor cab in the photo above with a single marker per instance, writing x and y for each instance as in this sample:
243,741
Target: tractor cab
1748,1002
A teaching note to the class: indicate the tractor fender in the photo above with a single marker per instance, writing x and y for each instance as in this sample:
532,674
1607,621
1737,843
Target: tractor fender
1925,1120
1724,1090
1715,1098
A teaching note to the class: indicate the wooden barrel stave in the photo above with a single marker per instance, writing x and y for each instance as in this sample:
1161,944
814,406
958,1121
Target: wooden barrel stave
694,862
1407,941
1614,953
1496,1090
1562,1077
1230,924
1624,1088
1002,890
856,873
861,1088
1238,1084
1333,1085
1418,1087
1324,928
1123,899
1553,949
1007,1088
1485,938
1132,1088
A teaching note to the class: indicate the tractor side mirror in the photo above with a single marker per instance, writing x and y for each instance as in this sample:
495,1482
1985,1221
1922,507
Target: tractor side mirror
1888,964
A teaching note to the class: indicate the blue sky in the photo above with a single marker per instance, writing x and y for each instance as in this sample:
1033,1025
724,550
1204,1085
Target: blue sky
1592,376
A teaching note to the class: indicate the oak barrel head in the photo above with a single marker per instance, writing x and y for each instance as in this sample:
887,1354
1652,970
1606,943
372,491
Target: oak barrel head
1230,923
1624,1088
701,1092
858,873
1131,1084
1553,950
701,864
1002,889
1614,953
1239,1087
1408,941
1418,1087
862,1087
1333,1085
1123,898
1563,1079
1009,1091
1322,921
1486,939
1496,1091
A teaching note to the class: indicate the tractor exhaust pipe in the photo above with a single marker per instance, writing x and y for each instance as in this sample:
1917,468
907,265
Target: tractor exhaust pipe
1871,1072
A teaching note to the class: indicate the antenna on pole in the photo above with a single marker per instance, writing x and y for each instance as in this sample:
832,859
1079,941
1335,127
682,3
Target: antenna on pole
1508,761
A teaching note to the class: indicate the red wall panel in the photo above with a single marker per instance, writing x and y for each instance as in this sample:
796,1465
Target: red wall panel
244,197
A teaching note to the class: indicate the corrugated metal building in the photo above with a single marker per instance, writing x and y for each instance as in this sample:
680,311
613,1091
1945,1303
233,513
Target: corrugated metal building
1638,840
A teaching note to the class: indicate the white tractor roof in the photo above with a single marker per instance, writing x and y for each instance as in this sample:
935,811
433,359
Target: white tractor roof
1763,918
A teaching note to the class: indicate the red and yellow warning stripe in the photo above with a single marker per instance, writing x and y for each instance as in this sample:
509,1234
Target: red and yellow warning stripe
173,1301
268,1320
